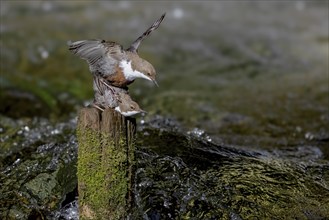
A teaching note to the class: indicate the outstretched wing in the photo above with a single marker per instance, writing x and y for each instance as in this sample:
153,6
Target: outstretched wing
134,46
102,56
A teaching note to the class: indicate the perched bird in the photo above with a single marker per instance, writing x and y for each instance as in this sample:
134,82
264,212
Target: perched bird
119,100
127,107
113,65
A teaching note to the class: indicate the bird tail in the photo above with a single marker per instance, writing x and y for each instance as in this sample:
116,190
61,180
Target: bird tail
134,46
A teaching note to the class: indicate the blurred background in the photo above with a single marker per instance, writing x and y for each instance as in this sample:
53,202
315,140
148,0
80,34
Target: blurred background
248,68
252,74
244,68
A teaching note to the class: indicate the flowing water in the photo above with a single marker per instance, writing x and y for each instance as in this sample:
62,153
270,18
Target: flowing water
238,129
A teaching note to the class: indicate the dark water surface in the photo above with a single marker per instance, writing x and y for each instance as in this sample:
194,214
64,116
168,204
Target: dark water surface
238,129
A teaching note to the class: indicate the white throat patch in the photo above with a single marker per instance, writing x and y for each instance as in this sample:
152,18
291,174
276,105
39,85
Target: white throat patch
129,73
128,113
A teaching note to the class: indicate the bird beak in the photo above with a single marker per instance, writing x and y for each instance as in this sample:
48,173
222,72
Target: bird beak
155,82
143,112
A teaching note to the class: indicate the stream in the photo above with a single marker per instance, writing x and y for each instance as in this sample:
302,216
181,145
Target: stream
238,129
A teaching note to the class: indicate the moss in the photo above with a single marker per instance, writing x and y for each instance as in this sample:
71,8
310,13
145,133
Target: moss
103,174
90,177
259,190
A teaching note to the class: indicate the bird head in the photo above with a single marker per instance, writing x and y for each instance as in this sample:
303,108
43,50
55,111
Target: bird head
147,69
127,107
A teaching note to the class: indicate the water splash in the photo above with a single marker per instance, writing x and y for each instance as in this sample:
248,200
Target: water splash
68,212
199,133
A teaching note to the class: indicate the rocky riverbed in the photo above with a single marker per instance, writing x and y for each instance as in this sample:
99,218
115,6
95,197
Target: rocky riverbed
238,129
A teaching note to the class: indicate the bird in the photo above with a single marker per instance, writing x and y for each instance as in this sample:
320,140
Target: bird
120,101
127,107
113,65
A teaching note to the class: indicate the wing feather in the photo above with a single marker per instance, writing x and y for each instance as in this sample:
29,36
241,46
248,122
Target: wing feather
102,56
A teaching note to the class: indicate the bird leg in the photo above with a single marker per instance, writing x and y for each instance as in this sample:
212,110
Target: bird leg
96,106
115,94
108,86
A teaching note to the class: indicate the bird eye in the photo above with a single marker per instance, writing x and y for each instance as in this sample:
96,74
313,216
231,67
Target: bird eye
131,107
149,74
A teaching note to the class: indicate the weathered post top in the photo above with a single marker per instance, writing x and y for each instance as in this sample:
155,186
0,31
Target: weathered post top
105,163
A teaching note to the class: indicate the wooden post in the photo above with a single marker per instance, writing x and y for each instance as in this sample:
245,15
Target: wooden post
105,163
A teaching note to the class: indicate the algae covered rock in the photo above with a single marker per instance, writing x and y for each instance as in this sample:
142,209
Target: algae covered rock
40,171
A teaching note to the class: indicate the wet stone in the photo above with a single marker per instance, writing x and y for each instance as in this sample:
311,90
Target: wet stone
238,128
35,178
42,186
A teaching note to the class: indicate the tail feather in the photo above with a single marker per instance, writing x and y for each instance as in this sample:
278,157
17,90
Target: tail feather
134,46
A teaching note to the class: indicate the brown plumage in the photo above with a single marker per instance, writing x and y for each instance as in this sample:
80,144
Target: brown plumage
111,62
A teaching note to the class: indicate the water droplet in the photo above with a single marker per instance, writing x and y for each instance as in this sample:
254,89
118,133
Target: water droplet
196,132
55,131
178,13
309,136
43,52
199,133
17,161
298,129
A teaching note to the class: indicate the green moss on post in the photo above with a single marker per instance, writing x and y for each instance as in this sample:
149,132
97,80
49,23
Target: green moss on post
105,164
